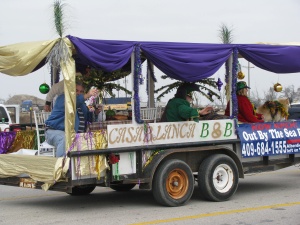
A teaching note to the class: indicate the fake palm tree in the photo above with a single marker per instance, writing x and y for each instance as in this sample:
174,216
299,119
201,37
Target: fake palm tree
225,34
205,87
58,10
226,37
103,81
60,50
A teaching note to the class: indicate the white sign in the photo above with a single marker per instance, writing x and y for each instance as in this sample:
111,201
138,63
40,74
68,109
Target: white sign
126,135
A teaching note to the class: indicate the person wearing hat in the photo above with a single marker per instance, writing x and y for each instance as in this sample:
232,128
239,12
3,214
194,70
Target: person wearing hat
179,108
56,90
246,113
55,124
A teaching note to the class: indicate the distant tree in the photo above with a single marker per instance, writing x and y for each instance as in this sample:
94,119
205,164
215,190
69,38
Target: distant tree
270,95
290,93
9,97
222,102
256,98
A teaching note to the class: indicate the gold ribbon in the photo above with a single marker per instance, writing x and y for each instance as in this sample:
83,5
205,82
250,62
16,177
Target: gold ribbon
24,139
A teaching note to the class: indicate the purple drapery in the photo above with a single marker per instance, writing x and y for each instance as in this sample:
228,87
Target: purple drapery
187,61
182,61
273,58
102,54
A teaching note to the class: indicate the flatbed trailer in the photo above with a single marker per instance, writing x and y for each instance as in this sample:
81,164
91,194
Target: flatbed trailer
169,170
167,158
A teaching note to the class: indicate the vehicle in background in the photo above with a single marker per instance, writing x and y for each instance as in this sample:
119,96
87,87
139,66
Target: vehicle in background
26,105
120,103
294,111
9,114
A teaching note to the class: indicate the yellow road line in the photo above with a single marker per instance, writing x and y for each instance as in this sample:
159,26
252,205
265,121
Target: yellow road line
218,213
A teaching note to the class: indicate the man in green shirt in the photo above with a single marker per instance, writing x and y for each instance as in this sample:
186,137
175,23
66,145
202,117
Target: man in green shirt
179,108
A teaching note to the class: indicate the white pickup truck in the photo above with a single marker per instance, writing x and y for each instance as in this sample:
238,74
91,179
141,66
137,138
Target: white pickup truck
9,114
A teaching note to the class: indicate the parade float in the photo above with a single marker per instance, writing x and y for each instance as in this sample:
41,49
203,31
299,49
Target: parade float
165,157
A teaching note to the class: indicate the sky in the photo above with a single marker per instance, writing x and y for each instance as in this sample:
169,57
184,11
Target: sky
197,21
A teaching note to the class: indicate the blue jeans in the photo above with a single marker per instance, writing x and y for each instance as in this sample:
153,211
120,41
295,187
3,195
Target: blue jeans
57,139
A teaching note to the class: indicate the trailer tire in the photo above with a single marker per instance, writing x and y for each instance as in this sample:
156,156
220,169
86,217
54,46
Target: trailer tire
82,190
122,187
218,178
173,183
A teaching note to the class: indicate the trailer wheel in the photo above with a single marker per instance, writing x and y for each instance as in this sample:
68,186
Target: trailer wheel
218,178
82,190
122,187
173,183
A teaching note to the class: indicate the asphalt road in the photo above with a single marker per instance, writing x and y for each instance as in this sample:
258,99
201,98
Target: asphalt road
266,199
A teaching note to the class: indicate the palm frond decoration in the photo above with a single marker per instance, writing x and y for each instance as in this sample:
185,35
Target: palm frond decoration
226,37
205,87
58,9
225,34
60,51
103,81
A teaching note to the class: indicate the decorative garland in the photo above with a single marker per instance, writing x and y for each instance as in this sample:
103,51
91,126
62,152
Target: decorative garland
116,176
77,136
253,106
154,152
233,87
147,133
59,53
227,80
234,78
136,78
226,72
95,164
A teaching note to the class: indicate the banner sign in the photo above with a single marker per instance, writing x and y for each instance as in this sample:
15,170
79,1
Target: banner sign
264,139
127,135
